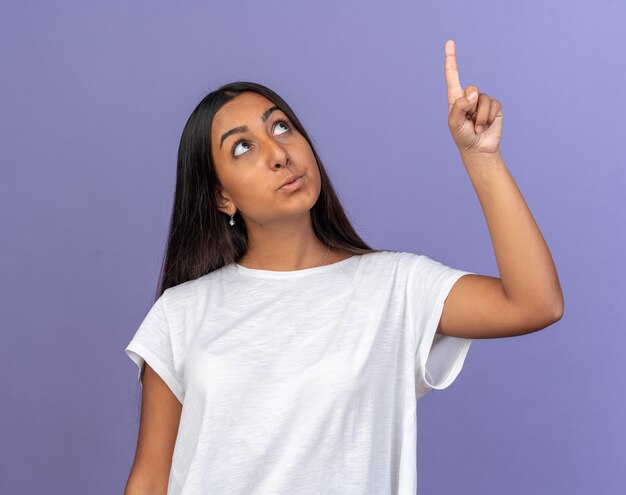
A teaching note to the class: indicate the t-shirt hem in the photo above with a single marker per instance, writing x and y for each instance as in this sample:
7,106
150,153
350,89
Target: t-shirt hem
457,348
138,354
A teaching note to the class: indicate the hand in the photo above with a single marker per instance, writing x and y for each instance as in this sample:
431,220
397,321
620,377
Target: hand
474,130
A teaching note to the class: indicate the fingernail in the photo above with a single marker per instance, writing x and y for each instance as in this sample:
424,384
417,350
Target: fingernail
472,96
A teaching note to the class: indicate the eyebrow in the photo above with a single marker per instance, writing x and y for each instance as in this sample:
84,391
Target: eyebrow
244,128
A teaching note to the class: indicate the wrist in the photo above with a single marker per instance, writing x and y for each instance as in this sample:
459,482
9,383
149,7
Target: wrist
481,158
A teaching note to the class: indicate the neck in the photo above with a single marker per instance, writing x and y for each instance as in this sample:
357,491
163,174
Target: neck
286,246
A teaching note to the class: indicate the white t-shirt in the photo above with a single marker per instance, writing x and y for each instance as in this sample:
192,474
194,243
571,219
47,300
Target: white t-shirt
302,382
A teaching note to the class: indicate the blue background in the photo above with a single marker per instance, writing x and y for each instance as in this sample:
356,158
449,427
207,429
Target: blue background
94,99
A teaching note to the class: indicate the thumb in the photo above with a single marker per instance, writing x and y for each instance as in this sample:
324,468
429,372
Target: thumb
462,106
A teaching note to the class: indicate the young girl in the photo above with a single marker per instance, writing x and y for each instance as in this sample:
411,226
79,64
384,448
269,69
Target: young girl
283,354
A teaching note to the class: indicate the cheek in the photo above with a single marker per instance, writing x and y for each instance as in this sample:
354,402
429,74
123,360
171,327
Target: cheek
304,160
253,188
314,171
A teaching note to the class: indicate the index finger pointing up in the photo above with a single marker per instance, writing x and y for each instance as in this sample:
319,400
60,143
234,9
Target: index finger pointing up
452,74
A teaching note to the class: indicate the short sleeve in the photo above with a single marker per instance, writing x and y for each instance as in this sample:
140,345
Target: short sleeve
438,358
152,343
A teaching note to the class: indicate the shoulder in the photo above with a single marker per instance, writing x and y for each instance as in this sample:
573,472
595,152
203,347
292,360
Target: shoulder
178,294
408,267
197,287
392,259
387,266
180,299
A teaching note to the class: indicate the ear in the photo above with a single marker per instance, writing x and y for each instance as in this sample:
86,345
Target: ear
224,203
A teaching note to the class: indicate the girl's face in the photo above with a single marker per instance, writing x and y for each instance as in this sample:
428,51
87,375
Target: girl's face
255,149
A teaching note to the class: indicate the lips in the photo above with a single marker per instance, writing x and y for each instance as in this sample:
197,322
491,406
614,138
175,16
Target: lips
289,181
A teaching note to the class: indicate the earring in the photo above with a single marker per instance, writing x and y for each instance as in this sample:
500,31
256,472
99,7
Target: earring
232,221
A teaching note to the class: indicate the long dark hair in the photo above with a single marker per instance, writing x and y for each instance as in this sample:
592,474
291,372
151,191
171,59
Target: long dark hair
200,239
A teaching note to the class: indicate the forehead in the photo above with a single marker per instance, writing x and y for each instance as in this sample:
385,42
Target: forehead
245,108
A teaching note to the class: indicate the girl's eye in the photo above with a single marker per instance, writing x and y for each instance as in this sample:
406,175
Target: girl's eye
244,142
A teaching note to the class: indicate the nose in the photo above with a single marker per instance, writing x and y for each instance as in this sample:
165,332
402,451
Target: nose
278,155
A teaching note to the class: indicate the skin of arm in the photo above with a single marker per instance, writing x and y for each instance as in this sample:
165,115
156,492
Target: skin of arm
527,297
158,428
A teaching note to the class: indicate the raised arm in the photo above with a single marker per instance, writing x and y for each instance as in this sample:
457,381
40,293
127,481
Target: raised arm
527,296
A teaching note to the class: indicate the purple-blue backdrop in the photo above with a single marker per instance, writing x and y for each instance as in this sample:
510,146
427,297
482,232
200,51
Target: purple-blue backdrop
94,99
